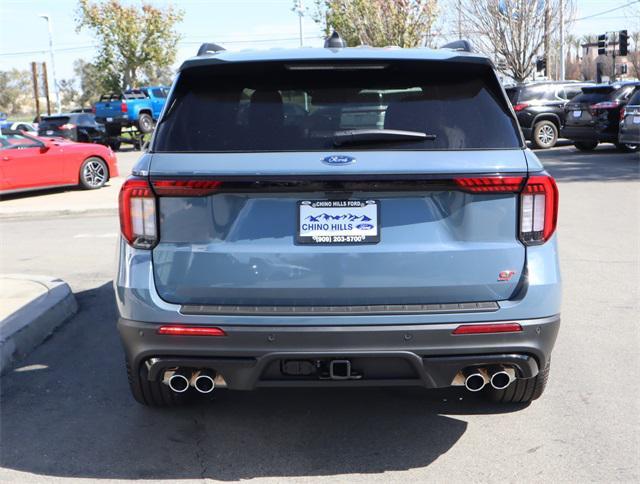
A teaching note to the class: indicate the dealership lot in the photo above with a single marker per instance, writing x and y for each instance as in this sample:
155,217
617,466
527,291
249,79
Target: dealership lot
67,412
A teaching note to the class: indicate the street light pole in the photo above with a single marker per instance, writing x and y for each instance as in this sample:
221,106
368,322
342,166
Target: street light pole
53,63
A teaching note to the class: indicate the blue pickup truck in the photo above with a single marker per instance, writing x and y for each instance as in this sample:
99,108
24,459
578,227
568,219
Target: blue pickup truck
134,107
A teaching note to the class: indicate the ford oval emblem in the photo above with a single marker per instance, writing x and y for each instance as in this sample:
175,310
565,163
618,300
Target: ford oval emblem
338,160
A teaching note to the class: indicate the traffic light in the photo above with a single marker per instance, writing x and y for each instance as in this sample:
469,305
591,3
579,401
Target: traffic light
623,68
623,41
602,44
541,64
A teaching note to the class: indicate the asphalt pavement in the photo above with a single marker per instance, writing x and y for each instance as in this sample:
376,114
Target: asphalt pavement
66,412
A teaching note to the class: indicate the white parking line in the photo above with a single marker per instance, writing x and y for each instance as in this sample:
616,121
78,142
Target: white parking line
96,236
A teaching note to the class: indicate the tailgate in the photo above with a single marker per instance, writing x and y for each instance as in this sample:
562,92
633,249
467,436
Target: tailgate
240,245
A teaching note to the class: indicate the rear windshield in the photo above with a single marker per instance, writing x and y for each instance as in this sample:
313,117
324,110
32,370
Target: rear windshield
635,99
54,121
276,107
135,94
593,94
105,98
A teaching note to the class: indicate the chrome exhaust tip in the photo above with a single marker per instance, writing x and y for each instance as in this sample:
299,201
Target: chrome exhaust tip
475,379
502,379
178,380
203,381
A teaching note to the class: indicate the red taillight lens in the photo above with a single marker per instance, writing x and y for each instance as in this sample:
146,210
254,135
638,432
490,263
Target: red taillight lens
487,328
622,114
93,109
538,209
123,107
185,188
137,206
520,107
181,330
605,105
67,126
490,184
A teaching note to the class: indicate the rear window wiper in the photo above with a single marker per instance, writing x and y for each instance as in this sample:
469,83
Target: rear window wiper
358,136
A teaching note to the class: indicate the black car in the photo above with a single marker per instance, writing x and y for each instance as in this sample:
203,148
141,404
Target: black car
80,127
539,107
630,122
594,116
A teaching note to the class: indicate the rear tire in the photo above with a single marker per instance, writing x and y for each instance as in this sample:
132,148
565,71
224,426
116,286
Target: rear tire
523,390
94,173
153,393
627,148
544,135
586,145
145,123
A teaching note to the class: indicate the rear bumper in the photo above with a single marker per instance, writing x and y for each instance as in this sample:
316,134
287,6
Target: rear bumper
588,133
426,355
630,135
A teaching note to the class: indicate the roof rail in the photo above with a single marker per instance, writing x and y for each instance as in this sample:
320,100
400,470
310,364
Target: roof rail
209,48
462,45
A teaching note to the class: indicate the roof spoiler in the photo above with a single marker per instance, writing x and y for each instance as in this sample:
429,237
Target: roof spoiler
209,48
462,45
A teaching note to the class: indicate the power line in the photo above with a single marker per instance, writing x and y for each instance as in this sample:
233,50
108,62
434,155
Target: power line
607,11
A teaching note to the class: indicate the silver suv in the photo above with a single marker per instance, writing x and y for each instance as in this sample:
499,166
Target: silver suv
338,217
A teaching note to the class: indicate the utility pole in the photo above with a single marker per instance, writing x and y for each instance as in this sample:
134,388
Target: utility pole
459,19
45,85
36,94
546,39
53,62
562,53
300,10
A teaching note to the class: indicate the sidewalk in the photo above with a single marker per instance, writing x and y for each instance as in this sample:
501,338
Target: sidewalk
31,308
65,201
70,200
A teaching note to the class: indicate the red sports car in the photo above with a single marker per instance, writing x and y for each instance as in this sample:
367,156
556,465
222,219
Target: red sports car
31,163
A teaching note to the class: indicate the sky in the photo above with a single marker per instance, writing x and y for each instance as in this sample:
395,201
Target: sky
237,24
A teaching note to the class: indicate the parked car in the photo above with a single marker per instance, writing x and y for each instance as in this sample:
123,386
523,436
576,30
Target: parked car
630,123
594,115
21,126
256,253
30,163
134,107
81,127
539,107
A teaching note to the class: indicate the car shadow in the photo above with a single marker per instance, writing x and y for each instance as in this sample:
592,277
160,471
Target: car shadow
48,191
605,163
67,412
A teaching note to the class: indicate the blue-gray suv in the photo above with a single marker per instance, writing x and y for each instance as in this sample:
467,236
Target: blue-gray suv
338,217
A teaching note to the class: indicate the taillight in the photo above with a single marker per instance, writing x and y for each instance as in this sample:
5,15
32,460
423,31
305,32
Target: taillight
622,114
520,107
490,184
137,206
67,126
123,107
182,330
93,109
605,105
185,188
538,209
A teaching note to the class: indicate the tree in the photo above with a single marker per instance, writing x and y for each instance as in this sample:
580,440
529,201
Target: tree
378,23
16,91
131,39
91,82
513,30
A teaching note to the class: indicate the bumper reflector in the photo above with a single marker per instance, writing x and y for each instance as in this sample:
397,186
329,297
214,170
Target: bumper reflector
487,328
180,330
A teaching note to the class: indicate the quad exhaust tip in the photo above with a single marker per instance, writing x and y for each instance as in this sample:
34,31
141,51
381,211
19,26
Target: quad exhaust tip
475,380
178,381
203,381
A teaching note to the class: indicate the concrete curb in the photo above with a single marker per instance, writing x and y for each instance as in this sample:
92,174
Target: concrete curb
57,213
30,325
